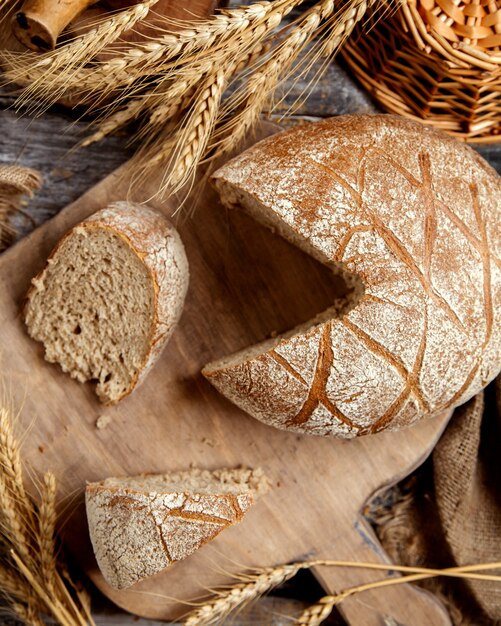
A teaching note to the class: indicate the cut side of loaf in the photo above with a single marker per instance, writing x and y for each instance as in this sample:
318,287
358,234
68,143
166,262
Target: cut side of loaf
110,297
411,216
140,525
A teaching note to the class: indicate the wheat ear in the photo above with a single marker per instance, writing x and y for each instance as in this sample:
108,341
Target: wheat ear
190,142
47,530
231,28
171,101
160,105
168,99
116,120
136,66
263,82
214,611
54,73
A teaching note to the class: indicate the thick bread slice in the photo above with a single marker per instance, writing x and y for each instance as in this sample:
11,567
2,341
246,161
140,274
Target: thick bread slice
415,215
109,298
140,525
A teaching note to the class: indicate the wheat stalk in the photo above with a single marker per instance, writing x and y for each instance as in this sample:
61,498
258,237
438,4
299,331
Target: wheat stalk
31,579
265,78
216,610
320,611
263,580
270,74
175,82
6,6
10,459
55,71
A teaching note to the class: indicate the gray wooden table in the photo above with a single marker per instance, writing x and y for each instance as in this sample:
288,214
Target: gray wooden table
45,144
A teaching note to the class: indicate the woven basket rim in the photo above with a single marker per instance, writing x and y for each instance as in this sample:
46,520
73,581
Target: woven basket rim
422,83
483,131
458,54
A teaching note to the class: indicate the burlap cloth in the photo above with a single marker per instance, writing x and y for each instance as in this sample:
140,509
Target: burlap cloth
15,182
450,511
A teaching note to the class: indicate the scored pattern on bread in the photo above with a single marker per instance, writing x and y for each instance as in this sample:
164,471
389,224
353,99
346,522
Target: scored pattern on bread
110,297
140,525
415,216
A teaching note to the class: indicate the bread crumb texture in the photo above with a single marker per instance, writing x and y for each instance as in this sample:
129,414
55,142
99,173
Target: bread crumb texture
142,524
415,215
103,421
110,297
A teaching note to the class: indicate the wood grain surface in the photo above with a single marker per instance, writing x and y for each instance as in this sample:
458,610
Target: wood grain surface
245,283
45,143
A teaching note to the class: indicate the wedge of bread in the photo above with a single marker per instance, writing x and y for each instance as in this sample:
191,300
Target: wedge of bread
109,298
142,524
409,217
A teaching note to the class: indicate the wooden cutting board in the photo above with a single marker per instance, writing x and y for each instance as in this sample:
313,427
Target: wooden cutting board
245,283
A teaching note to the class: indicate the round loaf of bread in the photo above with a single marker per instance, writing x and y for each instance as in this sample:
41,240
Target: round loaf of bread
411,218
110,297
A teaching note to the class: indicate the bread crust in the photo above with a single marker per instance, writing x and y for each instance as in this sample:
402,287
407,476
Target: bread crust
415,215
158,245
136,534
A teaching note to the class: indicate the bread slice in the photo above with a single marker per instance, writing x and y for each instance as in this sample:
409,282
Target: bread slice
142,524
109,298
413,216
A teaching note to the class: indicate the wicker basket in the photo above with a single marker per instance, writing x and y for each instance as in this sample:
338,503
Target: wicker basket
437,61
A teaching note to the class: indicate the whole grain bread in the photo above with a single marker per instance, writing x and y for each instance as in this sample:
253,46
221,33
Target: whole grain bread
412,218
109,297
142,524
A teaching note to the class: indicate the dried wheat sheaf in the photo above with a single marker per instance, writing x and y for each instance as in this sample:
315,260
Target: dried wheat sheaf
33,580
196,89
264,580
